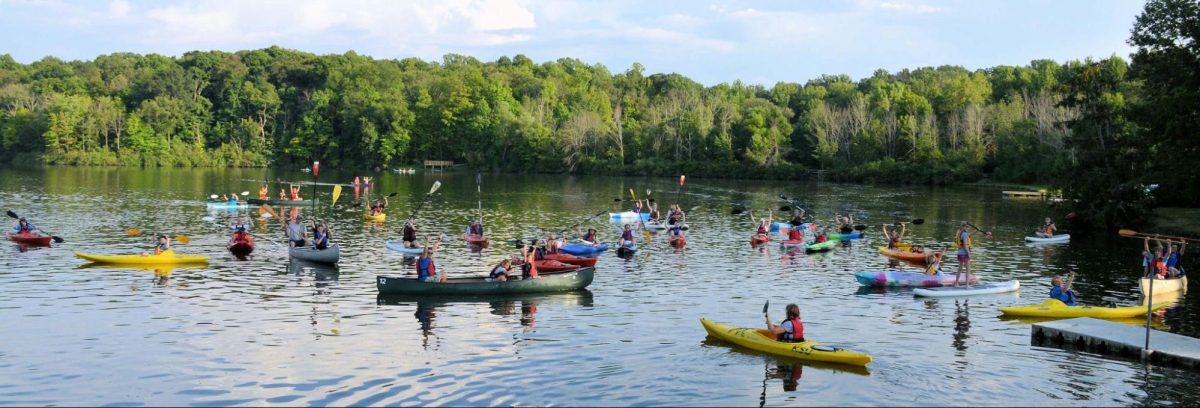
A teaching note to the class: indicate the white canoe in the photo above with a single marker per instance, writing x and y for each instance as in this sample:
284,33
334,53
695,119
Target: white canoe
329,255
1163,286
984,289
1056,238
398,246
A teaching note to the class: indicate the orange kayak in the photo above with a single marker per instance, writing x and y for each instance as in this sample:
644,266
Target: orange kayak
570,259
904,254
547,265
30,239
677,240
758,239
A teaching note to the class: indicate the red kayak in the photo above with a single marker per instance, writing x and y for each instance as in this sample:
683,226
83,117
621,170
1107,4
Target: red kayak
677,240
476,240
571,259
30,239
241,248
547,265
758,239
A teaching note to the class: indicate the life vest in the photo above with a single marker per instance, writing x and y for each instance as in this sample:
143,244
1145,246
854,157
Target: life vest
262,193
160,248
654,214
892,241
1048,229
25,229
627,235
475,229
963,240
795,235
321,240
1067,297
762,229
797,334
529,270
295,194
822,238
410,233
425,268
932,268
241,236
589,237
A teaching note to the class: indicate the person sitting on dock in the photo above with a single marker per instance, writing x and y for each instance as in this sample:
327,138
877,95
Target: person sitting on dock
1061,291
426,269
409,233
894,238
500,272
1048,229
296,233
791,330
377,208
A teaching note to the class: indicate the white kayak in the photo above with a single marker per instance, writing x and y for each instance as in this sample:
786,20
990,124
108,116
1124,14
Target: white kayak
984,289
651,225
1163,286
398,246
329,255
1055,238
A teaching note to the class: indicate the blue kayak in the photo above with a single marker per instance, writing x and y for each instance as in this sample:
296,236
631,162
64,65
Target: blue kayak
777,226
583,249
852,235
225,204
629,215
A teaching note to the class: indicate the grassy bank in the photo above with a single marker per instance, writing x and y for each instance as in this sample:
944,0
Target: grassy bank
1175,221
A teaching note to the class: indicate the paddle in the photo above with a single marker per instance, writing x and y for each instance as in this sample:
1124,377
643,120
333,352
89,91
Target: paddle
645,231
337,192
1128,233
765,314
860,227
987,233
436,186
57,239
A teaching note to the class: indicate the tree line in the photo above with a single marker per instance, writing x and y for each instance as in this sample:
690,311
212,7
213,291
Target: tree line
1128,123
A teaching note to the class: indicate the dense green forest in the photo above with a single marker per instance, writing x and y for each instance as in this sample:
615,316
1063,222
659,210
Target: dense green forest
1121,124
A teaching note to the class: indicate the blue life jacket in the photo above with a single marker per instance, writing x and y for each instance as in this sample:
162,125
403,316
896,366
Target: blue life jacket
425,268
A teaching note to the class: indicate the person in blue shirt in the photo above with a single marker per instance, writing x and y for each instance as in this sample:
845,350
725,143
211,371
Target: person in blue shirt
1062,291
1172,263
426,270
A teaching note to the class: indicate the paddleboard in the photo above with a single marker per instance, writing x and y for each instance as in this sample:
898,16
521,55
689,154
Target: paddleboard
984,289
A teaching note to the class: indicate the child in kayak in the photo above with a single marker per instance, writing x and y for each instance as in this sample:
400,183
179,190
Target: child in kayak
1047,229
476,227
24,227
653,210
163,245
845,224
794,234
894,237
590,237
627,236
822,236
426,269
379,205
1063,292
637,207
791,330
500,272
764,224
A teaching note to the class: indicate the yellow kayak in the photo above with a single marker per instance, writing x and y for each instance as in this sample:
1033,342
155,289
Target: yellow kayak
1056,308
764,341
166,258
370,217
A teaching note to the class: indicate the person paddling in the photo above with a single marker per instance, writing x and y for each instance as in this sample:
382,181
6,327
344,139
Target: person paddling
240,235
1047,230
845,224
409,233
500,272
162,245
794,234
637,207
476,227
791,330
321,236
653,210
426,269
23,227
296,232
590,237
627,236
1061,291
822,235
379,206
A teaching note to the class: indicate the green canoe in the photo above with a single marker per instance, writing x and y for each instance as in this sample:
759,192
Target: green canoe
821,247
548,282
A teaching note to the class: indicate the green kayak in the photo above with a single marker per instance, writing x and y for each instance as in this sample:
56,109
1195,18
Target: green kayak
821,247
547,282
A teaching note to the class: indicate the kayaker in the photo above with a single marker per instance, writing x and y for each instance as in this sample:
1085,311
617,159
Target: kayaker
797,217
296,232
240,236
163,245
262,192
24,227
676,230
791,330
963,240
356,181
894,237
822,236
590,237
845,224
529,268
1173,259
426,269
295,192
409,233
1154,263
637,207
794,234
233,199
321,236
500,272
1063,292
282,196
627,236
653,210
552,244
933,262
1047,229
241,224
476,227
764,224
377,208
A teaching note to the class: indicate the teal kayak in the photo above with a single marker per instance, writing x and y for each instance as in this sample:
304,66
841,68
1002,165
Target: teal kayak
852,235
821,247
225,204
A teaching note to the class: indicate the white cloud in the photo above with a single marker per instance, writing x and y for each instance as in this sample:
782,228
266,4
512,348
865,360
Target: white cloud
910,8
118,8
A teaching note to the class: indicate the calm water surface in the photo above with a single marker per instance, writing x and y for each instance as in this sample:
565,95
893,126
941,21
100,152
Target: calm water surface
267,331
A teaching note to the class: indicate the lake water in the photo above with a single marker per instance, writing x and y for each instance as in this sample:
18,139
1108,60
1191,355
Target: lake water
267,331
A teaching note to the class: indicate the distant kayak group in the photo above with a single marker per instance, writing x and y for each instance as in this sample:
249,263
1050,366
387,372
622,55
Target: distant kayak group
555,263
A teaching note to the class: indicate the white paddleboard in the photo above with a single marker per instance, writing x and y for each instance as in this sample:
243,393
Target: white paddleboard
984,289
1056,238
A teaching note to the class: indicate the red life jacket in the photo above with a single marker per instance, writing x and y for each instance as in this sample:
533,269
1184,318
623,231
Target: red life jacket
794,235
762,229
797,334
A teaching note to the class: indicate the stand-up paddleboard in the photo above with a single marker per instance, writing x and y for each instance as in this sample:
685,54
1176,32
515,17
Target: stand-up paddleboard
984,289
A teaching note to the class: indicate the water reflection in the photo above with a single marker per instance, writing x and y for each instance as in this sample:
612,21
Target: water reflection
962,324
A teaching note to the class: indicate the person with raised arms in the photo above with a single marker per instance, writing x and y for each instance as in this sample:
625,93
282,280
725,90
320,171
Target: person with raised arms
1061,291
653,210
763,224
426,269
894,238
379,206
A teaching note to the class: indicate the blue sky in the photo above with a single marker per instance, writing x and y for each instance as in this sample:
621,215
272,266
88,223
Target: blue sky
709,41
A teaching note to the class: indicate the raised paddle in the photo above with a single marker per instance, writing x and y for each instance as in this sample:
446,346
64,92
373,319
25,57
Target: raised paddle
337,192
1134,234
436,186
765,314
645,231
57,239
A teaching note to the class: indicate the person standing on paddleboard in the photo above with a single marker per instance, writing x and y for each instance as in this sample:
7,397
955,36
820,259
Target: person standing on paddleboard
963,239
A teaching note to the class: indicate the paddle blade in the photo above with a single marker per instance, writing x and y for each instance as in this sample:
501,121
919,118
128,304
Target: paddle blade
860,227
183,239
58,239
12,214
918,221
133,232
337,192
766,306
785,208
1125,232
245,193
436,186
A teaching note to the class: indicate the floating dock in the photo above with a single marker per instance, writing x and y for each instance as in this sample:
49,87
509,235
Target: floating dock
1125,340
1022,194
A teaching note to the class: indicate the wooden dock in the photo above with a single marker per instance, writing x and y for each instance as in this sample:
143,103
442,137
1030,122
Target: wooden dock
1022,194
438,165
1121,339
